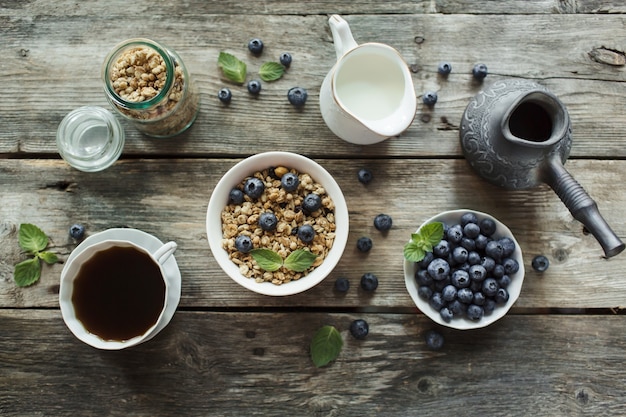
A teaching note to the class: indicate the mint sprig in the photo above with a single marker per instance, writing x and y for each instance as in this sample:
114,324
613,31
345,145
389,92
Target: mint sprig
33,241
233,68
271,71
429,235
298,260
325,346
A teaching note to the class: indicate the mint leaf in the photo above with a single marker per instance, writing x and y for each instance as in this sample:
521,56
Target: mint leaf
271,71
432,233
300,260
267,259
414,252
48,257
233,68
27,272
325,346
32,239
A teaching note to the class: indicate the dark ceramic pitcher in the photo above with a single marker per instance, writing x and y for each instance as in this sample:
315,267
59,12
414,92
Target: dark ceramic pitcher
517,134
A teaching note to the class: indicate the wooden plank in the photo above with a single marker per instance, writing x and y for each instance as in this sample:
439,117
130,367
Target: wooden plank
552,49
232,364
168,198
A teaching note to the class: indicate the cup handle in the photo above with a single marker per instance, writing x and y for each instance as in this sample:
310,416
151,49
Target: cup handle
342,36
164,252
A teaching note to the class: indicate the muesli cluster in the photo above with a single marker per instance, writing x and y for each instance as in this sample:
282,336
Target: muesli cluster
282,210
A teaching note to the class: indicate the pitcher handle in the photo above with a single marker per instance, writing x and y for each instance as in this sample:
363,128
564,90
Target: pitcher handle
342,36
583,208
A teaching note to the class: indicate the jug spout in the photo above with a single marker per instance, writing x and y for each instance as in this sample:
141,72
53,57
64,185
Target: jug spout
342,36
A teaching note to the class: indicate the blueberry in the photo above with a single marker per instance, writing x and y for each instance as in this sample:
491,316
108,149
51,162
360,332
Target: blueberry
364,244
465,295
444,68
255,46
487,226
434,340
479,71
481,241
254,87
306,233
425,292
460,254
243,243
458,308
289,182
540,263
77,231
369,281
446,314
439,269
460,279
428,258
468,217
473,258
502,296
490,305
449,292
488,262
454,234
224,95
497,271
504,281
359,329
468,243
342,284
479,298
442,249
297,96
383,222
490,287
429,98
436,301
475,312
477,273
471,230
422,277
365,175
508,246
235,196
268,221
312,202
253,187
285,59
494,249
510,265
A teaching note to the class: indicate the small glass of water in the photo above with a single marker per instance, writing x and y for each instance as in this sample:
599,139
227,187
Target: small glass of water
90,138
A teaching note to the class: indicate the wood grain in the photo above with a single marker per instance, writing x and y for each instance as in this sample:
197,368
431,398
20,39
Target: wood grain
234,364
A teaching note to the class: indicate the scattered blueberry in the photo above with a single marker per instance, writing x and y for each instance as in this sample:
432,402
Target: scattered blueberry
268,221
429,98
312,202
479,71
383,222
444,68
285,59
297,96
77,231
434,340
254,87
235,196
306,233
253,187
540,263
359,329
365,175
342,284
243,243
369,281
255,46
225,95
364,244
289,182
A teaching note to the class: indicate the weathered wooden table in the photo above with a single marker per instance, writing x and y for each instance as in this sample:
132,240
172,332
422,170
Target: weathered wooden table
231,352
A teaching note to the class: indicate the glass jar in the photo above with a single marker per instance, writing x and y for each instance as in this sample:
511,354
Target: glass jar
149,85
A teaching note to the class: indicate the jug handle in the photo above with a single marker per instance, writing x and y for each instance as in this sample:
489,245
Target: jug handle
583,208
342,36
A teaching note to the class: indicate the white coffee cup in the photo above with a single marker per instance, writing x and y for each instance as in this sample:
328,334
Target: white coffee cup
71,272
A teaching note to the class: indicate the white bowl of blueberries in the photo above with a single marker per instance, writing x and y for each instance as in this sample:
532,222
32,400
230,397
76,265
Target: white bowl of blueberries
469,274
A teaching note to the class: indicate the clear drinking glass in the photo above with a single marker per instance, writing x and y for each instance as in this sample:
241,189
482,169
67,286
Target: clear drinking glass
90,138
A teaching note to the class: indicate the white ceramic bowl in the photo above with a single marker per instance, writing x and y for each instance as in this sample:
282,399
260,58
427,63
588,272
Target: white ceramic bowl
514,288
259,162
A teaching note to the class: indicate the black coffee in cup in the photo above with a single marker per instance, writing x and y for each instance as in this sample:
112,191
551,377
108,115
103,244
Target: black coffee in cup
119,293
